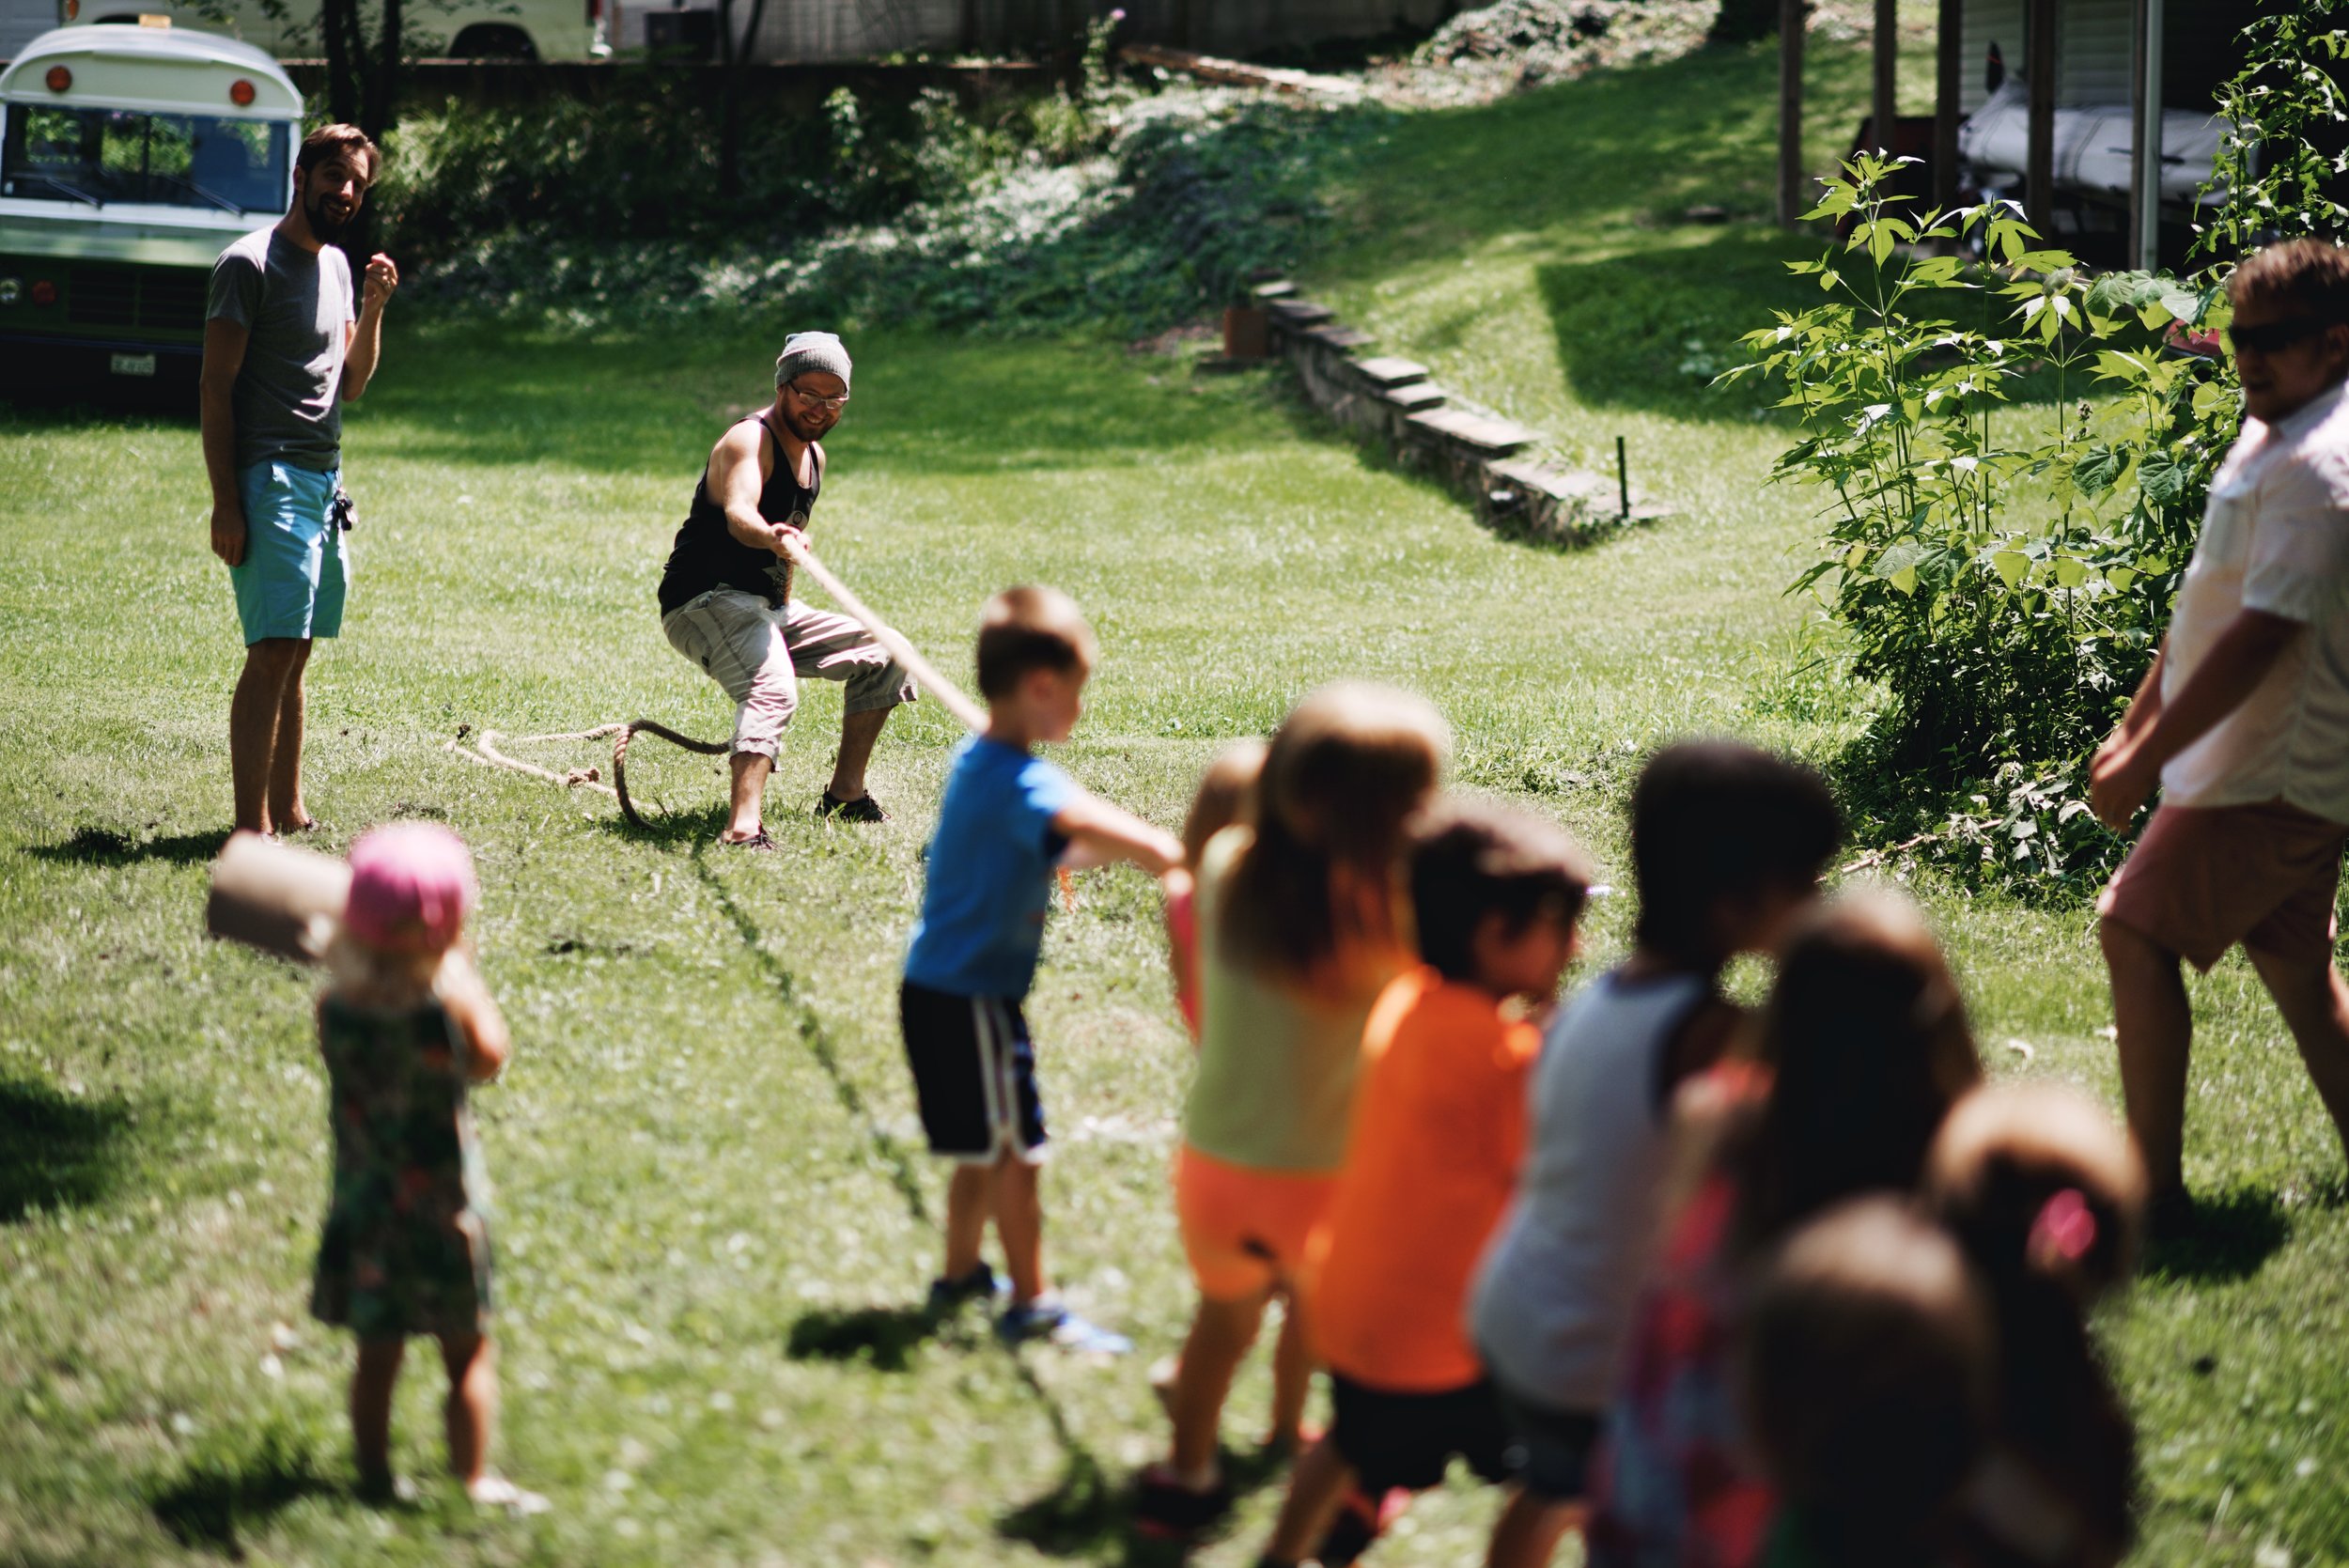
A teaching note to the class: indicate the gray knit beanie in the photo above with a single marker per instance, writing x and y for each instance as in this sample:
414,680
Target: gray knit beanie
820,352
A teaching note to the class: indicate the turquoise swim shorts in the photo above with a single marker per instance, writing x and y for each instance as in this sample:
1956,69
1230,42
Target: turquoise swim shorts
294,573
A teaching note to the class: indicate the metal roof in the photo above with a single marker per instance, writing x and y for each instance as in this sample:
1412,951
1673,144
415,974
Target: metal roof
149,47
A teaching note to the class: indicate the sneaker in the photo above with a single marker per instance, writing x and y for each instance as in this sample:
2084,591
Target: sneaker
2170,1219
981,1285
1361,1521
1167,1509
862,809
1047,1319
495,1491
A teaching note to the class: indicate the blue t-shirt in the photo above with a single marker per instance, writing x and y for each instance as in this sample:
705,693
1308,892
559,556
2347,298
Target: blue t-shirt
990,872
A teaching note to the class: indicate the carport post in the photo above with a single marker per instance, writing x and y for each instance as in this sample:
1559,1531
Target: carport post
1884,99
2039,160
1790,205
2145,144
1949,50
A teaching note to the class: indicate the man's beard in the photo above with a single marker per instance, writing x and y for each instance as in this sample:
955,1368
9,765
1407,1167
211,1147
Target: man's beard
801,427
324,227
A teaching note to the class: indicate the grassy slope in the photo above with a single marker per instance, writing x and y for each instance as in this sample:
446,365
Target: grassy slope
1533,253
710,1201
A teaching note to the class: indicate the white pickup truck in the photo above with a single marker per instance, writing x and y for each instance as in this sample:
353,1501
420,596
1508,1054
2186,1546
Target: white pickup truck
474,29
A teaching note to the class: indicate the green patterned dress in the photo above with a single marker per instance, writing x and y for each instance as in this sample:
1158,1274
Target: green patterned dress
406,1249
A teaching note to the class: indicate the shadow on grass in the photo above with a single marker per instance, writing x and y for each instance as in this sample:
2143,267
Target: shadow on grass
893,1152
56,1150
884,1338
218,1498
1086,1512
106,846
2232,1235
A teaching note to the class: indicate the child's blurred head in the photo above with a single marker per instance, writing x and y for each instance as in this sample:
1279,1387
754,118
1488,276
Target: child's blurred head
411,886
1036,652
1227,795
1496,893
1866,1038
1867,1371
1727,841
2038,1178
1344,772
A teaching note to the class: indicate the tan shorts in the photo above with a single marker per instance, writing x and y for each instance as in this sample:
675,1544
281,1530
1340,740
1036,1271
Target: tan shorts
760,653
2205,878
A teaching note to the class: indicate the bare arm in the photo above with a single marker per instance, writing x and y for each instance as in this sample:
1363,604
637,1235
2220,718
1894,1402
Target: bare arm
737,476
223,356
363,343
1099,833
2124,773
473,1011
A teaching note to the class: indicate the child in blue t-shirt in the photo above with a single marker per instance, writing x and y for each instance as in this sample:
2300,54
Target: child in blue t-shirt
1007,819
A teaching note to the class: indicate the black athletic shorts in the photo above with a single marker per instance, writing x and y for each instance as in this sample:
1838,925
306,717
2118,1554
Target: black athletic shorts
1553,1445
1406,1439
973,1073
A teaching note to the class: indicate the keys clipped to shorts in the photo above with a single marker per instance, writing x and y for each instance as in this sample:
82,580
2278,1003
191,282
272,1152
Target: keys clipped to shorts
343,510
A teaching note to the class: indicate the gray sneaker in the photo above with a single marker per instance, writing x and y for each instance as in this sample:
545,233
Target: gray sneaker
1047,1319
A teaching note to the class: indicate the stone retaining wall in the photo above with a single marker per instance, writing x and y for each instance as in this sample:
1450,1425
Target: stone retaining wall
1391,400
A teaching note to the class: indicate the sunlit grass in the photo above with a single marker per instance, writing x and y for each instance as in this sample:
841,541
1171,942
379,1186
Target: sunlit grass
711,1207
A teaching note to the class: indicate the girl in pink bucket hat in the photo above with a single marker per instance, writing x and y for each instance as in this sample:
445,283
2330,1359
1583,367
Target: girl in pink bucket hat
405,1027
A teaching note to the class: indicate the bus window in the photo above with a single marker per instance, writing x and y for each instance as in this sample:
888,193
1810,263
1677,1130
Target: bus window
103,156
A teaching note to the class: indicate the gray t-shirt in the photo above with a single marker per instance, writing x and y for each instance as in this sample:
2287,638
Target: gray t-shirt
297,308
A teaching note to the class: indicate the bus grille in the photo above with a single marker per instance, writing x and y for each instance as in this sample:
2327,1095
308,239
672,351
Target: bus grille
128,296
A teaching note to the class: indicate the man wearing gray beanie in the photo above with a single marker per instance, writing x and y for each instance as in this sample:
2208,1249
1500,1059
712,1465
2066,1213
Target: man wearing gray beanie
725,598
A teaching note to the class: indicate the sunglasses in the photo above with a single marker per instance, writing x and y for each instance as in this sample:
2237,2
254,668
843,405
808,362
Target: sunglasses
2276,337
835,404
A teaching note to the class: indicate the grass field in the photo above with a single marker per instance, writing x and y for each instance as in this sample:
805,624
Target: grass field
713,1220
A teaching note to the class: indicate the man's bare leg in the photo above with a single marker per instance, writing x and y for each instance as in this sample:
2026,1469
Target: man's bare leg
2154,1028
2315,1004
254,714
858,733
286,809
750,794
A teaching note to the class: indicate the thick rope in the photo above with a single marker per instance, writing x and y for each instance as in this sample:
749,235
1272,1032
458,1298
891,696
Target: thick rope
484,748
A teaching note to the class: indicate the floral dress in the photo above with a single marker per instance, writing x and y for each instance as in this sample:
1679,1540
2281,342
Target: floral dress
406,1249
1672,1488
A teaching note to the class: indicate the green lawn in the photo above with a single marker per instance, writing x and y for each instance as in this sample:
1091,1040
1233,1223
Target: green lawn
713,1213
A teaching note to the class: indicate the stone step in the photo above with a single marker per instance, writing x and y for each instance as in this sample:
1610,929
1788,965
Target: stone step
1414,395
1568,485
1299,313
1390,371
1485,436
1275,288
1341,338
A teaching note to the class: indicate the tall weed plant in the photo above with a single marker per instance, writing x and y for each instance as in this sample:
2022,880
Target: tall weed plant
2016,455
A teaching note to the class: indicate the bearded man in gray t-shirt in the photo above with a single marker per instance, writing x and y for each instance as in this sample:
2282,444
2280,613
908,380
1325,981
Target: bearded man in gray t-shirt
282,350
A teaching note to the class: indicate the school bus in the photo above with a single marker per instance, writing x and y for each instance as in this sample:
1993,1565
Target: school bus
130,156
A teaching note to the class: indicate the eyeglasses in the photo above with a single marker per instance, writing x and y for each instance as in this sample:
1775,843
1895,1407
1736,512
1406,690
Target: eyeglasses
2274,336
835,404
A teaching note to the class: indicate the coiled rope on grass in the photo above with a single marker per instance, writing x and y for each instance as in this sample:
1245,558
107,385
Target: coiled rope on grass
486,746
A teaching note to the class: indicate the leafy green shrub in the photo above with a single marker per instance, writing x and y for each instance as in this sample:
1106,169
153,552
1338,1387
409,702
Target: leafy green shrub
2004,572
1197,188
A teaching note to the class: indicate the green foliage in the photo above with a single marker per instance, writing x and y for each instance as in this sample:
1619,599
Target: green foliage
949,222
2275,114
2004,569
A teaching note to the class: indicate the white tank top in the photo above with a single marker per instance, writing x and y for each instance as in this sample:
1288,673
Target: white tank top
1555,1292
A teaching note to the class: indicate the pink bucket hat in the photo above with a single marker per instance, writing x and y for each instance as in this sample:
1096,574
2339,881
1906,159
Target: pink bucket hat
412,885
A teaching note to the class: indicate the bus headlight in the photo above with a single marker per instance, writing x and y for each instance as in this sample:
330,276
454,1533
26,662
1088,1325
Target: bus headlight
11,291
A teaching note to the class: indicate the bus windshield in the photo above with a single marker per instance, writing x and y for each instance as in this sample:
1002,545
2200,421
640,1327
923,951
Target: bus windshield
98,157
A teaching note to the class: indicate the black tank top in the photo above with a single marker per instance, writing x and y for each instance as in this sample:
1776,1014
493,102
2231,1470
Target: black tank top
707,554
